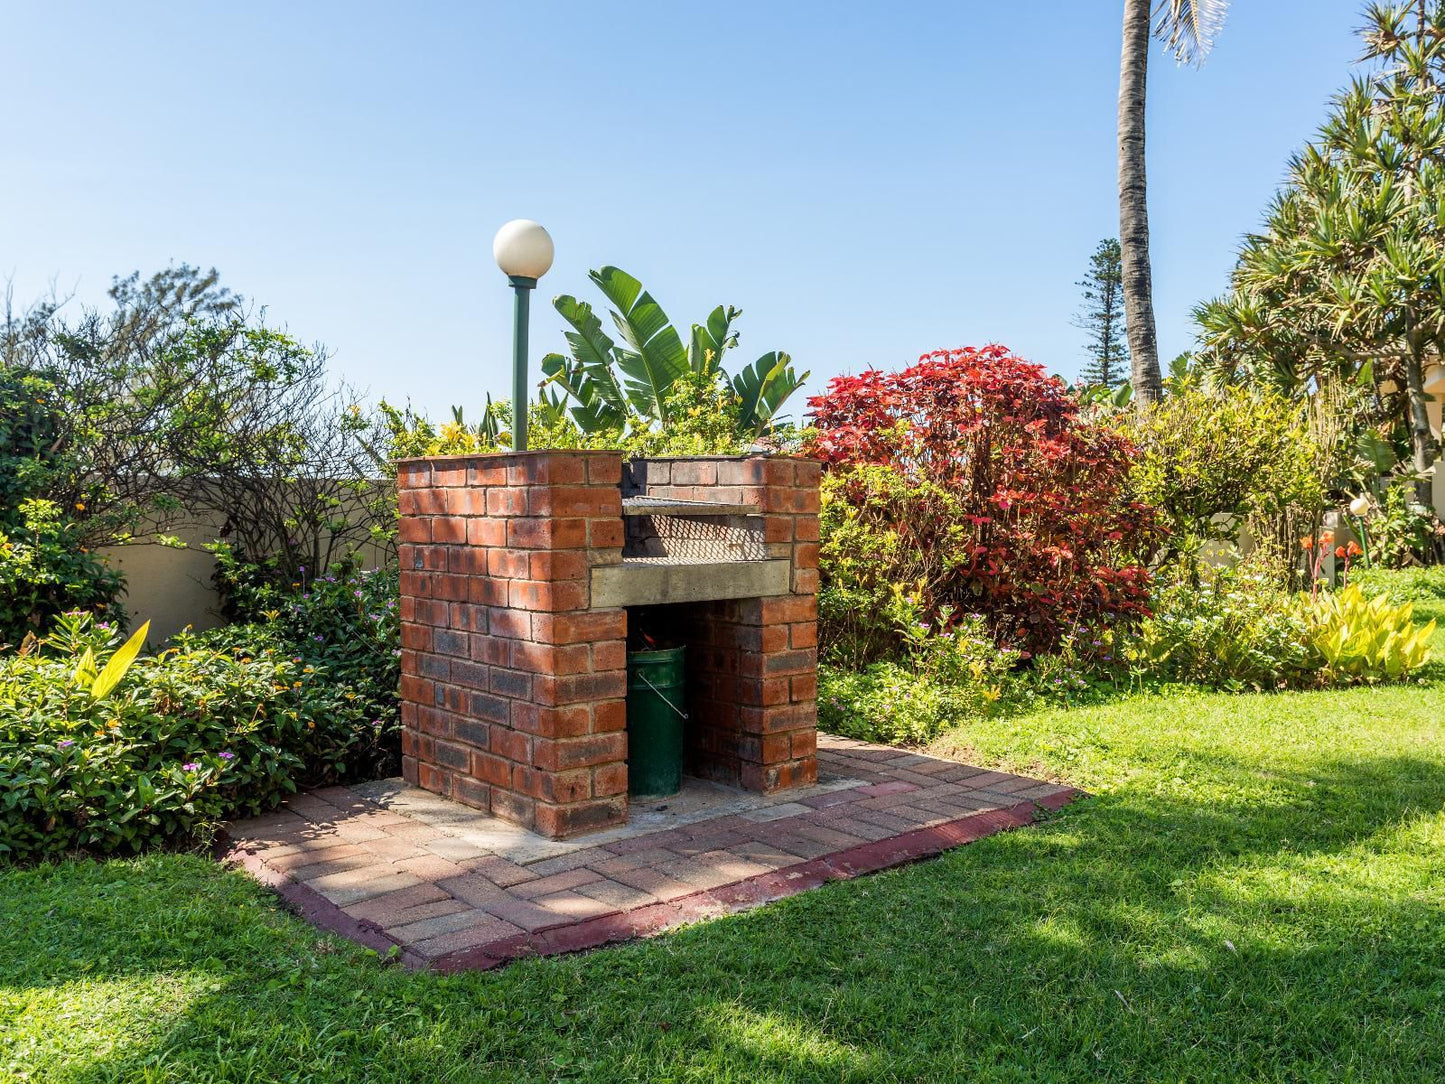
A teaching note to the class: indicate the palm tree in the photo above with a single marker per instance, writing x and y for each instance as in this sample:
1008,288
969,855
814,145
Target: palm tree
1187,29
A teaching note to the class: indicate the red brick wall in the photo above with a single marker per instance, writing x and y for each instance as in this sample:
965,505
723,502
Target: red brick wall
512,687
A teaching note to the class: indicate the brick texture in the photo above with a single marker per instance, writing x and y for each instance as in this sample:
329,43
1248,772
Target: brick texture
513,687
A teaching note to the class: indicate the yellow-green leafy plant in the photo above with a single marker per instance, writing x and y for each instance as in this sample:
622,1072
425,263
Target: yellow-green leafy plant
1368,639
102,683
1210,459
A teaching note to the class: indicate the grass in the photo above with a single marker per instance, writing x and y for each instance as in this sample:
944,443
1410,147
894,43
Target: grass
1254,892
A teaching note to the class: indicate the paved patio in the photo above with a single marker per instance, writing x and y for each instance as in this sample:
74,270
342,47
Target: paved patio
388,865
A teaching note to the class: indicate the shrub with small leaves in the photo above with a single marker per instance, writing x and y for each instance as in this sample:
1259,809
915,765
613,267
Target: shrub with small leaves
886,702
46,566
186,738
1235,629
343,623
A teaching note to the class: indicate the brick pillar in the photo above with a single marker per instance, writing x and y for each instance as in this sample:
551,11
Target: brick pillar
513,689
753,662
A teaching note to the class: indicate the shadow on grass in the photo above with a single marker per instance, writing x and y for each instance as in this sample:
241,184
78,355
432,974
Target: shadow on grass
1282,928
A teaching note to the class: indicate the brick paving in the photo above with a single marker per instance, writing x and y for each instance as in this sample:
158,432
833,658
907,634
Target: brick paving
390,865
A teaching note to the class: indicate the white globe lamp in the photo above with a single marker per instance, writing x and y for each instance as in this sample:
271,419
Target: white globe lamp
523,250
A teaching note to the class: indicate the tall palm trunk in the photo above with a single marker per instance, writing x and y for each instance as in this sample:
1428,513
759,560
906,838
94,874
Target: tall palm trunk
1134,207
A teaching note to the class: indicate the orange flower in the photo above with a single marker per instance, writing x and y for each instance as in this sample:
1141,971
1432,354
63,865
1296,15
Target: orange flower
1327,538
1354,549
1340,552
1307,542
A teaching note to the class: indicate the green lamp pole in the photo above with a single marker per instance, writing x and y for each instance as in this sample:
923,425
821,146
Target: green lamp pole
523,251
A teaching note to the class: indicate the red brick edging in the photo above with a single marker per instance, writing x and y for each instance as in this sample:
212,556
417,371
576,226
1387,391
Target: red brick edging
566,936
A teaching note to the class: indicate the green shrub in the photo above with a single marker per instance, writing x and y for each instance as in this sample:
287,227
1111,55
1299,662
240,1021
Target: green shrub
949,675
45,565
1208,460
1402,532
885,702
1237,629
343,623
189,737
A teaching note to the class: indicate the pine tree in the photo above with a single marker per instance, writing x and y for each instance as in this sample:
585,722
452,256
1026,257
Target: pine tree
1103,318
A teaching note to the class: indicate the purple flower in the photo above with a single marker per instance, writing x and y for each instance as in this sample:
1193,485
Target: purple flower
66,744
191,767
228,755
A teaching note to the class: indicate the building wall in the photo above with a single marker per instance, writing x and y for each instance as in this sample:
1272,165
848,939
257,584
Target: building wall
172,588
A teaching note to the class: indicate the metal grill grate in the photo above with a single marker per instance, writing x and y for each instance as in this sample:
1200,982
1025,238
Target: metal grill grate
694,539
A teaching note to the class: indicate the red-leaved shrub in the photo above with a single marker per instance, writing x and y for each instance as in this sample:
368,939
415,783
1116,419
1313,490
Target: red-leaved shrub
1000,496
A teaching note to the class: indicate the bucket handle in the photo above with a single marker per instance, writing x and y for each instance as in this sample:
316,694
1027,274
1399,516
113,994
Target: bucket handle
661,695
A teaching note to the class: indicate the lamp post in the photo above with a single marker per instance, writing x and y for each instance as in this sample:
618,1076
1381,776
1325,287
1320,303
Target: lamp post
523,250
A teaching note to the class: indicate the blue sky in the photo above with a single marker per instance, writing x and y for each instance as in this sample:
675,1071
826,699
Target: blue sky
866,181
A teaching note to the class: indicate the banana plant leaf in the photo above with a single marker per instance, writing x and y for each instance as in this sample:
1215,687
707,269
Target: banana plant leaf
587,376
709,343
592,409
763,387
657,357
592,350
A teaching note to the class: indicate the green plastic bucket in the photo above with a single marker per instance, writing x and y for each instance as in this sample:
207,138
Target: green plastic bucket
656,712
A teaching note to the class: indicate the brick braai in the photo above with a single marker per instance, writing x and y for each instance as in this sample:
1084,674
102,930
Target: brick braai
513,683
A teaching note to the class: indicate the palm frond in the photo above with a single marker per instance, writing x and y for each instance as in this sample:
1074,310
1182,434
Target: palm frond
1188,27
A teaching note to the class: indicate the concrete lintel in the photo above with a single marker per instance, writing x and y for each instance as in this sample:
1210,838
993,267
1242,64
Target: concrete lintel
652,582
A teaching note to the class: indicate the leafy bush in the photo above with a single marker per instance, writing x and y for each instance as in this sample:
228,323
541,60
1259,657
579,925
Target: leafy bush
176,403
1401,531
342,623
973,478
45,565
1367,639
651,380
1236,629
44,570
188,737
873,573
951,675
1210,459
885,702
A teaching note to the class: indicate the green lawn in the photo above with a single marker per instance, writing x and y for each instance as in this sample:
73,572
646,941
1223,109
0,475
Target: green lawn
1254,892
